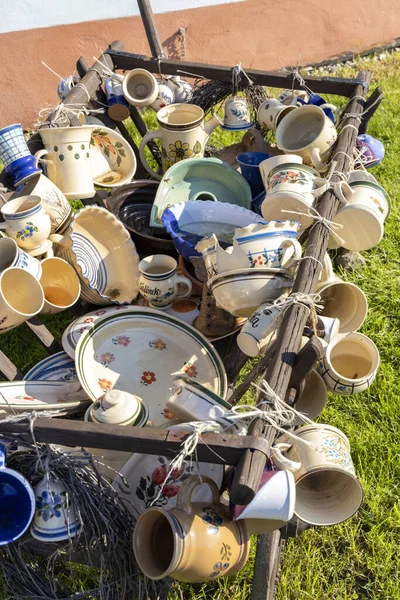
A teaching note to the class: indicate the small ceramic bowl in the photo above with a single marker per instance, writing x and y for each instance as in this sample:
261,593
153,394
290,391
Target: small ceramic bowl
242,291
191,401
113,160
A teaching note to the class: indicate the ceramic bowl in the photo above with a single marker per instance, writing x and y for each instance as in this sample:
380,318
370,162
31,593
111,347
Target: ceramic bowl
242,291
113,160
131,204
100,249
189,222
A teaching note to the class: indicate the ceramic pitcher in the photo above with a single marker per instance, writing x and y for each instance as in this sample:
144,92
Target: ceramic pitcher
192,542
183,134
68,164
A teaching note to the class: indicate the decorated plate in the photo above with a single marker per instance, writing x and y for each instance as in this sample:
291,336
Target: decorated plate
21,396
58,367
145,475
113,160
140,351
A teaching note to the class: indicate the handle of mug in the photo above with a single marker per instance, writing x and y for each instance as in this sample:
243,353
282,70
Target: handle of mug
333,108
316,159
39,154
280,461
298,250
145,139
322,186
185,282
327,270
3,227
183,499
281,283
342,187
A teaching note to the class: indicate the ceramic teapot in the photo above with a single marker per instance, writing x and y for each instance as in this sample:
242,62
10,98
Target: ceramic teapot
183,134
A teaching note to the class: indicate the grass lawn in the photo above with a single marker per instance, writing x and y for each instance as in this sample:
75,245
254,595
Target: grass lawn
357,559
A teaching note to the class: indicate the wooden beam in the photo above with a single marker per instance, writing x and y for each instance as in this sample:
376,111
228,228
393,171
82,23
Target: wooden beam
249,471
146,12
371,106
8,369
280,79
213,448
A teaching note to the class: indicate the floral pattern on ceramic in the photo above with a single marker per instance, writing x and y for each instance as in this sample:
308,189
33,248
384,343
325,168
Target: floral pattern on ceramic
287,177
179,151
100,138
104,384
162,483
190,370
106,358
223,564
167,414
50,504
121,340
336,450
148,378
213,519
158,344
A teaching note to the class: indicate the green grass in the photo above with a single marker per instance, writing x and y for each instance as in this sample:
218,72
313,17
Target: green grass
357,559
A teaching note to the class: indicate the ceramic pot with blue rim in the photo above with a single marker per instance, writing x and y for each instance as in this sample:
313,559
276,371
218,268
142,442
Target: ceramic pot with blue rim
55,517
17,502
19,163
118,107
13,256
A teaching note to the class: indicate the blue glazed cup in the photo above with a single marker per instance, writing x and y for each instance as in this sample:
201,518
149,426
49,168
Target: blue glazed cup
118,108
17,502
19,163
249,162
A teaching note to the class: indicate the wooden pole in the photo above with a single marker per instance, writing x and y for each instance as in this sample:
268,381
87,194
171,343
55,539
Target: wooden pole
146,12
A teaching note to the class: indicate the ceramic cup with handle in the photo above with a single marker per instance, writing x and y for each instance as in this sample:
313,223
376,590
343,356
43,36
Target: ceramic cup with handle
308,132
61,286
53,201
291,192
159,283
266,166
258,332
67,162
193,542
15,154
140,87
26,221
11,255
271,113
350,363
17,502
327,490
21,297
342,300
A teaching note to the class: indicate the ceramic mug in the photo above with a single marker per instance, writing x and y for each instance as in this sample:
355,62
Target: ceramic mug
350,363
15,154
11,255
341,299
140,88
312,400
271,113
60,284
55,518
365,206
26,221
118,107
327,490
159,283
165,96
249,166
237,114
266,166
293,96
309,133
182,90
193,542
53,200
68,164
17,505
273,245
21,297
291,192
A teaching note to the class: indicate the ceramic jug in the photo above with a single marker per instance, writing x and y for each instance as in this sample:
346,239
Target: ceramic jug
194,541
183,134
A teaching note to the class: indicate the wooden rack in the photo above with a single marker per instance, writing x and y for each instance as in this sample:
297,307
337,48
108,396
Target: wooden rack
248,454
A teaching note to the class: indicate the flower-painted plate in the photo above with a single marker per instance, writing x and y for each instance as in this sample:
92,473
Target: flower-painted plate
58,367
145,474
140,351
113,160
23,396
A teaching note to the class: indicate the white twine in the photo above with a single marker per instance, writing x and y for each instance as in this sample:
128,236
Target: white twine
62,111
312,258
296,76
359,116
315,216
236,76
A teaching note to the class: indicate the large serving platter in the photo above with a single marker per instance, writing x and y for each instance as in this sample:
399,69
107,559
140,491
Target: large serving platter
141,351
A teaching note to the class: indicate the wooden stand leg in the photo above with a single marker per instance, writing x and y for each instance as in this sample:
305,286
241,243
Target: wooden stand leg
266,567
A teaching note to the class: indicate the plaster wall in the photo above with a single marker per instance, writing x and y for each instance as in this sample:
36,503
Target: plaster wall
258,33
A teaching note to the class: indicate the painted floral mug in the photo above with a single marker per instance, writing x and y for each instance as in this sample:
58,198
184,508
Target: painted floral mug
26,221
193,541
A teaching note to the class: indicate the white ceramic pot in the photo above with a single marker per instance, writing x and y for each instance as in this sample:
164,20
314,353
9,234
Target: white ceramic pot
309,133
21,297
271,113
26,221
240,292
350,363
327,490
60,284
273,245
68,164
291,192
53,201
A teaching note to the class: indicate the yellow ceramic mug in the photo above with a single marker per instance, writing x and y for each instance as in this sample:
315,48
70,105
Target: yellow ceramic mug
192,542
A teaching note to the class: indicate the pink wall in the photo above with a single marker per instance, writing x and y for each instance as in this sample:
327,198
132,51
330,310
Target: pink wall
263,34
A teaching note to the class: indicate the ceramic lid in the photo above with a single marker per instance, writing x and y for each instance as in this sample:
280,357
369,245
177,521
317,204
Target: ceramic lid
116,407
361,228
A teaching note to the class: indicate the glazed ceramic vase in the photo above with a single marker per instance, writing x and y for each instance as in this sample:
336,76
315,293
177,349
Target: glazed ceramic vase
183,134
68,164
193,541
